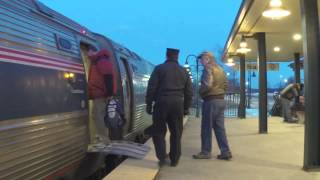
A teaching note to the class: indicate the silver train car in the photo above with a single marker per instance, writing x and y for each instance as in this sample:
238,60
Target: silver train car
45,122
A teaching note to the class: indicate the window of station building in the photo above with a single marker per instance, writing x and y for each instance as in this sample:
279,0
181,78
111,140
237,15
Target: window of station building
43,9
63,44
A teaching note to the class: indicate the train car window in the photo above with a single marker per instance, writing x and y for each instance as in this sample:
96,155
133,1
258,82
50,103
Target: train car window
134,68
43,9
136,56
63,44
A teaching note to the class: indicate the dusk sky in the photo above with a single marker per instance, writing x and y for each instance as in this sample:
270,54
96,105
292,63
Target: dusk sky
149,27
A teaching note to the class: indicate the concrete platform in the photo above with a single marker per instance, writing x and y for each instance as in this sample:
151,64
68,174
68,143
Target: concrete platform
135,169
277,155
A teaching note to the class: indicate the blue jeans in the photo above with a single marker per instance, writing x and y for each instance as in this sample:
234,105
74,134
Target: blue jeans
213,118
286,109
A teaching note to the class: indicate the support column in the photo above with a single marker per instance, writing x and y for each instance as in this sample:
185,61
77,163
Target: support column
311,47
297,68
242,105
297,75
262,66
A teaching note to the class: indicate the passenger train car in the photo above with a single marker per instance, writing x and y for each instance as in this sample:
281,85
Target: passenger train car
45,123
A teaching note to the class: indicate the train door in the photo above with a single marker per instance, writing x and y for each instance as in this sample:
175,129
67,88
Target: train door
86,63
127,86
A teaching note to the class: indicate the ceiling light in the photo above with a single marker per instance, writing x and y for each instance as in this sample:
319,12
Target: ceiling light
230,60
276,11
243,43
297,37
243,46
243,50
277,49
230,64
275,3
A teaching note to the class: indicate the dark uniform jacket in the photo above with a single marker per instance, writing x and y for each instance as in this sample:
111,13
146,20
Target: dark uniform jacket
170,79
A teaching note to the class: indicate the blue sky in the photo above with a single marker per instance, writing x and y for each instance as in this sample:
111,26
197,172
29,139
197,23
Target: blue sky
149,27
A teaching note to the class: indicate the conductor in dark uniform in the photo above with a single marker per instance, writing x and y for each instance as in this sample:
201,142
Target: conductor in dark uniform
168,99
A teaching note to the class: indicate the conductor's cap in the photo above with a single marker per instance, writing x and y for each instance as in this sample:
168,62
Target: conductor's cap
172,52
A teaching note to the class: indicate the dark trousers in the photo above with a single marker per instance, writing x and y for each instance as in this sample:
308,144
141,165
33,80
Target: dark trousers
168,110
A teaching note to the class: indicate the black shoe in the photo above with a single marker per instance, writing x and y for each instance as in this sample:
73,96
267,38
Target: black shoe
174,164
225,156
162,163
165,161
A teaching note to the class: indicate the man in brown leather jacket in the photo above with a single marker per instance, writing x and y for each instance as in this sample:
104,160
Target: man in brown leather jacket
212,90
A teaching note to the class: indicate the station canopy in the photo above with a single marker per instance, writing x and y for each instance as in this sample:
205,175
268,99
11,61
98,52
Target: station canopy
283,36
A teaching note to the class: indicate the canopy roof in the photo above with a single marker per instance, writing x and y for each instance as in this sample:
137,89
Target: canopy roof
278,32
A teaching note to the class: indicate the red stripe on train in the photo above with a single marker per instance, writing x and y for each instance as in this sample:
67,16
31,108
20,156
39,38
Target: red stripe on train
38,56
38,62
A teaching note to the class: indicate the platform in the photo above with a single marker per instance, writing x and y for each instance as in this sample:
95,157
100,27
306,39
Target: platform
135,169
277,155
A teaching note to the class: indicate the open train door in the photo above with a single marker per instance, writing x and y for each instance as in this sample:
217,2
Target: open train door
128,101
86,63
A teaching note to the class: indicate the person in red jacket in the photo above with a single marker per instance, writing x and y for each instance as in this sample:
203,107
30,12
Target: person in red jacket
102,86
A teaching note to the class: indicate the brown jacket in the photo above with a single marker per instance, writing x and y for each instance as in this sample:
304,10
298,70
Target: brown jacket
213,82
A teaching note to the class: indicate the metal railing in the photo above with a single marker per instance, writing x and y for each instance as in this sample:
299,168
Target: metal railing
232,104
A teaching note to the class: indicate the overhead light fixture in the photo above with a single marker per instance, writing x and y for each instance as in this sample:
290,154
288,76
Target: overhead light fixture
230,62
276,11
243,43
297,37
243,50
243,46
277,49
